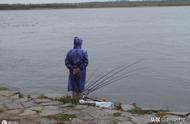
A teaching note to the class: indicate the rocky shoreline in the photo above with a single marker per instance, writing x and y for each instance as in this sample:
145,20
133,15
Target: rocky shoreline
21,109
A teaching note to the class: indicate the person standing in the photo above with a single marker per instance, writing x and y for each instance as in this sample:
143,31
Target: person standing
76,61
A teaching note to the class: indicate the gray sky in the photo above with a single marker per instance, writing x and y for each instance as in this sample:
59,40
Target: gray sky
46,1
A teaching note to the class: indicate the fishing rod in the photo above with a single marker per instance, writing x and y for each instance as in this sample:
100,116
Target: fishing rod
112,72
107,84
104,76
93,78
101,77
90,78
114,78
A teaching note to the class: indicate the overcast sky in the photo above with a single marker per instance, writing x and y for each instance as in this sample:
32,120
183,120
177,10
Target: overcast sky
46,1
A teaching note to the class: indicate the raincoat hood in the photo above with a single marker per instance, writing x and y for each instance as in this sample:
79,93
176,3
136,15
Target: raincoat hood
77,43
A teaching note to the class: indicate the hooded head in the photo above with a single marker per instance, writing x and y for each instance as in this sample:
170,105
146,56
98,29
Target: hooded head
77,43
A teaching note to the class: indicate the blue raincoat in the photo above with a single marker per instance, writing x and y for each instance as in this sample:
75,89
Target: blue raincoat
77,58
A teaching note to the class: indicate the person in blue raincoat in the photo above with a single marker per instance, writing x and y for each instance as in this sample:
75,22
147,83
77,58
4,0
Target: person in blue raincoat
76,61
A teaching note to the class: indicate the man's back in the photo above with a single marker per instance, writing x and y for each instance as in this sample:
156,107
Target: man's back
77,61
76,57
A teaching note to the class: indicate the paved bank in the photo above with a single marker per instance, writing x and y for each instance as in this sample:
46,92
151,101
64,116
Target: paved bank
42,109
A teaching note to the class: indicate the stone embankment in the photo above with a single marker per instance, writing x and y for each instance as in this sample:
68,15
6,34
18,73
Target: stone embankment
21,109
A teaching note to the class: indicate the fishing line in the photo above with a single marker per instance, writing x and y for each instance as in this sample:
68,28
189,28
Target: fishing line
112,72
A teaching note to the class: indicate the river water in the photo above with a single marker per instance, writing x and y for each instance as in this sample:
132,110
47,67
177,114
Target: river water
33,45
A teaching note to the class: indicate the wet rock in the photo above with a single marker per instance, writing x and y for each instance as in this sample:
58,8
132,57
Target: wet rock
48,121
125,122
27,112
181,114
85,116
39,101
28,104
31,121
21,100
5,93
80,107
49,112
55,103
14,105
96,112
127,107
2,108
3,98
126,114
66,105
108,111
32,108
36,108
14,96
15,111
76,121
143,119
105,121
51,108
188,119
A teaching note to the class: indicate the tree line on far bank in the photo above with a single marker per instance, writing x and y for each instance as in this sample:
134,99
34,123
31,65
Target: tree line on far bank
120,3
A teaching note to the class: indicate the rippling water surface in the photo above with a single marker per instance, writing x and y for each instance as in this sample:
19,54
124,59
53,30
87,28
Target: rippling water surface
33,45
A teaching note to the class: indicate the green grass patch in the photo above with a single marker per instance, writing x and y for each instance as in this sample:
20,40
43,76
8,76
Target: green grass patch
42,97
140,111
1,110
64,99
137,110
61,117
3,88
117,114
20,95
160,114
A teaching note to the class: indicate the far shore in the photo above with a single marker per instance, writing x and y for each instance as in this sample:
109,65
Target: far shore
90,5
